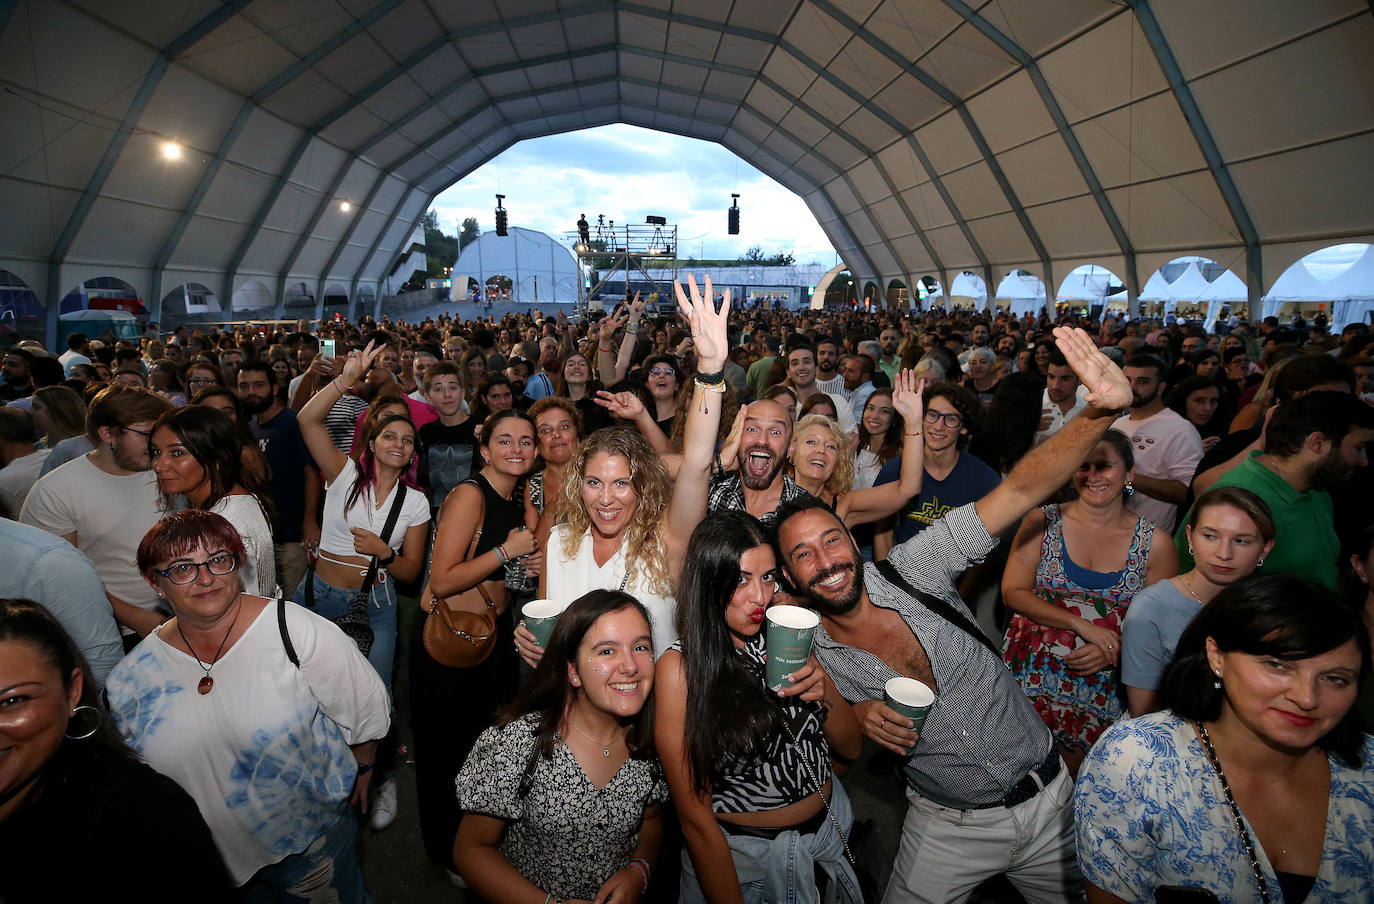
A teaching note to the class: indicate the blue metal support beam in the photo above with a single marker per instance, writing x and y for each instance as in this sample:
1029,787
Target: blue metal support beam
1230,193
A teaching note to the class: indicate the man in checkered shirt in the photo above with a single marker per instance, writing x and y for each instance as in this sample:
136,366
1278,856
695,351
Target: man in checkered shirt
988,792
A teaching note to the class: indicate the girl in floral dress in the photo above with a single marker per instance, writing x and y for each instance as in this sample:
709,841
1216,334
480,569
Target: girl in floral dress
1072,572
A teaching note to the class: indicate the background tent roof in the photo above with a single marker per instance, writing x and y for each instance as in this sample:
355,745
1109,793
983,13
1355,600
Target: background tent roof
1227,288
538,267
1297,284
927,137
1355,282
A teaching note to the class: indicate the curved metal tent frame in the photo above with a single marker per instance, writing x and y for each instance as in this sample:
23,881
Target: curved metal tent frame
926,136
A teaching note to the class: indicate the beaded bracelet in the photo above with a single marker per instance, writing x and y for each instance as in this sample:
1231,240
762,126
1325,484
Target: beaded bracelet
642,865
914,433
339,385
501,555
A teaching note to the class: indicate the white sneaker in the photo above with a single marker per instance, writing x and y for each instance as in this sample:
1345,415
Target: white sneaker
455,878
384,805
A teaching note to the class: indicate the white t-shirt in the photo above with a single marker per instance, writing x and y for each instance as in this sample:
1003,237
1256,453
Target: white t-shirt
259,572
1059,418
16,479
572,578
265,755
336,539
867,465
109,515
1167,447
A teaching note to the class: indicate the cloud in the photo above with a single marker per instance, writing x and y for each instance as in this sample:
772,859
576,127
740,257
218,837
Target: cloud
628,173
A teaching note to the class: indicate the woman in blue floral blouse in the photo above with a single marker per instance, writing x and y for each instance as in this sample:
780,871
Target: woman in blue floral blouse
1255,783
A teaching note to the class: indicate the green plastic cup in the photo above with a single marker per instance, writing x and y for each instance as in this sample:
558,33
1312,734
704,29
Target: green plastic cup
789,641
909,697
540,617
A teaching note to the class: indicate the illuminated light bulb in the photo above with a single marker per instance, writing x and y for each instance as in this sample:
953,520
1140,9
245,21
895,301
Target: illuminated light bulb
171,150
345,206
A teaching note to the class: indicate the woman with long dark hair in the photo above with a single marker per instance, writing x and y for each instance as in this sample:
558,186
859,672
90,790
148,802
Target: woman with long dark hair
1254,782
1199,399
69,783
484,525
1010,423
880,437
562,795
750,769
196,452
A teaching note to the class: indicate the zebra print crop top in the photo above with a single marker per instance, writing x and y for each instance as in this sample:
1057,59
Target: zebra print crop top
777,777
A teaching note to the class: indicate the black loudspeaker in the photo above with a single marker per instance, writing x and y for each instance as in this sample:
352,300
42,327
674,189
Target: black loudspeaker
501,221
733,214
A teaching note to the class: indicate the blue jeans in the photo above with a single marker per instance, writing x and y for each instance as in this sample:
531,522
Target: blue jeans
326,871
781,870
331,602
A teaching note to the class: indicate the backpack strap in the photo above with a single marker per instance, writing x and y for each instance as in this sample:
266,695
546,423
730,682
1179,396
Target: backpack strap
938,606
285,636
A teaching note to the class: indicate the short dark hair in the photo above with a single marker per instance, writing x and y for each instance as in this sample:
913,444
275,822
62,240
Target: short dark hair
1279,615
964,402
257,365
1301,373
1330,413
17,426
1142,361
792,508
801,345
180,532
76,340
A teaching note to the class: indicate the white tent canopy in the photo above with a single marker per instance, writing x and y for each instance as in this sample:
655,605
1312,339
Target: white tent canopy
1350,292
1024,291
969,287
538,267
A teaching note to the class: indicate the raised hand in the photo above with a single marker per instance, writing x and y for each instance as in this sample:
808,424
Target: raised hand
708,326
906,398
637,306
729,450
1108,388
357,363
624,405
610,324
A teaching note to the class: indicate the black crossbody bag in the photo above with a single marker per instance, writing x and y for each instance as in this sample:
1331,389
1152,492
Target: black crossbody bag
355,622
937,605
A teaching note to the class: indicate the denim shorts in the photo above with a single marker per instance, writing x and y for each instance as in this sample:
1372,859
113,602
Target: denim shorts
327,870
332,602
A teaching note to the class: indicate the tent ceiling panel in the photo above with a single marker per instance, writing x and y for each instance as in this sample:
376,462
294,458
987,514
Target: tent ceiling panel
728,84
841,197
951,246
40,59
863,67
355,63
794,76
930,209
891,220
208,242
394,99
596,65
72,149
816,169
765,17
24,237
737,50
355,127
687,76
975,191
267,254
436,73
587,96
806,127
966,62
1066,226
189,109
838,149
832,104
643,31
641,65
300,25
867,129
1011,113
319,166
1205,36
556,74
718,110
491,48
910,102
1294,195
145,20
404,29
1037,26
142,174
1043,171
768,102
1004,233
901,164
1108,67
912,252
947,143
582,31
1332,63
235,190
453,16
913,27
868,180
693,41
307,96
814,34
1146,140
1179,212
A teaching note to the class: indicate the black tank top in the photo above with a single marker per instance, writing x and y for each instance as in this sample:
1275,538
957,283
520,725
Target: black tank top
502,516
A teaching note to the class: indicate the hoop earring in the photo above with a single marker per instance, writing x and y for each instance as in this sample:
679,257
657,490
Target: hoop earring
1190,549
94,728
1129,491
1260,562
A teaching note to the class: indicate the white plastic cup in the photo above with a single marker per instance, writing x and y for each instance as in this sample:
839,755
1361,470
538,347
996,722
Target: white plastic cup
789,641
540,617
910,698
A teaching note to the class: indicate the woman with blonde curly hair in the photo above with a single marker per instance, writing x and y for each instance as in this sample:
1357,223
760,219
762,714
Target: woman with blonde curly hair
821,462
626,523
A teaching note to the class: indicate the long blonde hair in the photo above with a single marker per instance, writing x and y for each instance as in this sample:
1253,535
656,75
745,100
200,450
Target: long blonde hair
644,553
842,478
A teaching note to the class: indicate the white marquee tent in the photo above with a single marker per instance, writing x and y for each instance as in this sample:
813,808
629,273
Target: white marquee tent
538,267
1350,293
1024,292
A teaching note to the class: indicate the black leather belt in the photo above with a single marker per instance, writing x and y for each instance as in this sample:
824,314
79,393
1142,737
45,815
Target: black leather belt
807,827
1028,787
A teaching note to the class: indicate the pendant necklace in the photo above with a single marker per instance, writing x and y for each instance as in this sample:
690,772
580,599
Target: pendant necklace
207,683
605,748
1191,592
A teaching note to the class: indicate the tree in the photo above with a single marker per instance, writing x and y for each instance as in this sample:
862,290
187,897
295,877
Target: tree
753,256
441,251
782,259
468,234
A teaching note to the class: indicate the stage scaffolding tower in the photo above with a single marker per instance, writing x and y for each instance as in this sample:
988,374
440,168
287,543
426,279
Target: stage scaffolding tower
625,247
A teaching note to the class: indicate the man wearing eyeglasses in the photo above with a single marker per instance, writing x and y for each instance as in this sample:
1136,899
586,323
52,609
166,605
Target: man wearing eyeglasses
952,476
105,501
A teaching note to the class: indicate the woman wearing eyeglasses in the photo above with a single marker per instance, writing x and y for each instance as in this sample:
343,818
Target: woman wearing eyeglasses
265,713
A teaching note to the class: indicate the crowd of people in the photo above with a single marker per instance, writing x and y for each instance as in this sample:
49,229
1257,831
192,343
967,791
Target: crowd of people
1130,559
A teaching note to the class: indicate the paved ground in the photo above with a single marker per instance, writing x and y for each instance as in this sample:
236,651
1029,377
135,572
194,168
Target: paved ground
397,871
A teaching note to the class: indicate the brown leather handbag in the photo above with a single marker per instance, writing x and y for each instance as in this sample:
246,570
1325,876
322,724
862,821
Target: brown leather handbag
461,638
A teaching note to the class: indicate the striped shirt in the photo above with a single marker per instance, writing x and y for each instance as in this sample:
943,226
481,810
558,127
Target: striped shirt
342,420
983,735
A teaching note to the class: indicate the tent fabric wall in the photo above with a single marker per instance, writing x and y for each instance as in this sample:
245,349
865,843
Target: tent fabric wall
962,136
538,267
